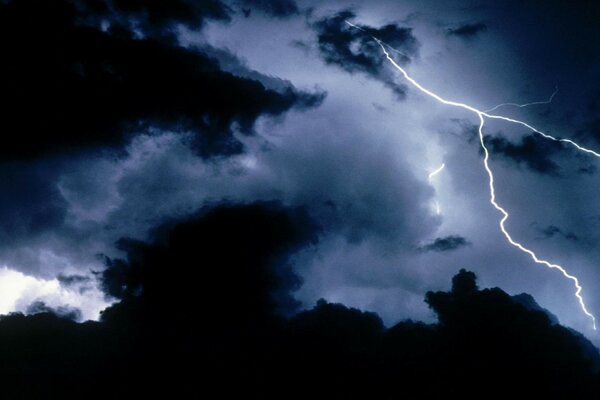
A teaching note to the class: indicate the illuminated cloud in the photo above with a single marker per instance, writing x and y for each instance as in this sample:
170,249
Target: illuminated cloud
19,291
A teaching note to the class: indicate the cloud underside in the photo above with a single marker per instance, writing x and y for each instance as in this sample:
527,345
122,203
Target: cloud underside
532,152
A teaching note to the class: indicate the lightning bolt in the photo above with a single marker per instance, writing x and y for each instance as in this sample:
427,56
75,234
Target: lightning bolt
534,103
505,215
431,175
437,171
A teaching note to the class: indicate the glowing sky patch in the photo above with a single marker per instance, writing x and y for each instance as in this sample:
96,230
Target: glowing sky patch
18,291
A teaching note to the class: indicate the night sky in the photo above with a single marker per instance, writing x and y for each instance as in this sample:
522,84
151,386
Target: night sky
257,174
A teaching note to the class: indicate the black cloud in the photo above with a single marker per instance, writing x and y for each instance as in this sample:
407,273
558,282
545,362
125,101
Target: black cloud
527,301
447,243
80,283
207,290
354,49
207,287
532,152
232,248
467,31
74,75
470,318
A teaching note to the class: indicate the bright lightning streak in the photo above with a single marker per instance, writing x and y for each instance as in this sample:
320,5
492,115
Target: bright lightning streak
534,103
481,114
437,171
476,111
355,26
517,244
438,211
545,135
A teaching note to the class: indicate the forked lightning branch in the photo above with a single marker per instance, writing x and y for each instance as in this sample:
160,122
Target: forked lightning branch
482,115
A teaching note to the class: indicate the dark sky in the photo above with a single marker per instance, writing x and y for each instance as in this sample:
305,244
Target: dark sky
120,116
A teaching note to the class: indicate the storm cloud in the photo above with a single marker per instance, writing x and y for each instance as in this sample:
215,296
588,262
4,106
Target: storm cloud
247,184
238,255
354,49
86,76
531,152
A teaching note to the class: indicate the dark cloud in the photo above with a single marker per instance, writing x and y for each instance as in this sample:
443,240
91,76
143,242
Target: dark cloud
236,248
482,337
354,50
470,319
448,243
73,78
205,287
527,301
154,17
467,31
275,8
228,62
533,152
67,312
551,231
55,351
81,283
210,289
69,280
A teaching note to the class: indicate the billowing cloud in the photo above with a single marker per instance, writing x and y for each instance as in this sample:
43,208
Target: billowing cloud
29,294
532,152
241,248
79,77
